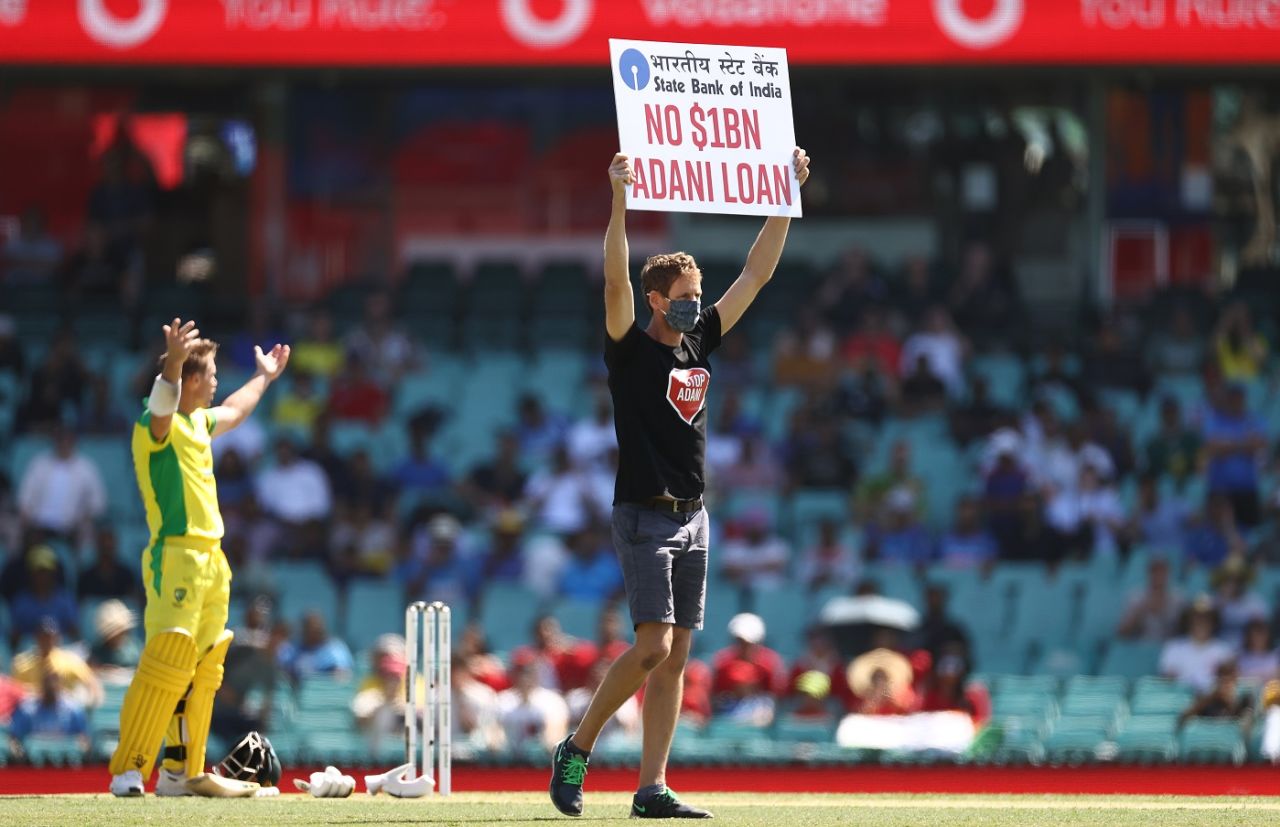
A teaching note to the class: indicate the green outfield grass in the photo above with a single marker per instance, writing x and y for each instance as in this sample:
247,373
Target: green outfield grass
730,809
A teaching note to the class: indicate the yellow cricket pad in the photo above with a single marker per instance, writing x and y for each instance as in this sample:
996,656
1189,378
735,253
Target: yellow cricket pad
165,669
204,686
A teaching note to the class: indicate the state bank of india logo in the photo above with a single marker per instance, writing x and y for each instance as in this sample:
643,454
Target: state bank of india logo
634,69
104,26
981,33
687,391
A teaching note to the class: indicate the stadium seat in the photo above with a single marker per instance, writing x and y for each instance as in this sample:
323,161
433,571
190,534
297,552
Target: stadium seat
1075,741
1212,741
53,751
374,607
324,695
1130,659
507,613
303,587
789,728
578,618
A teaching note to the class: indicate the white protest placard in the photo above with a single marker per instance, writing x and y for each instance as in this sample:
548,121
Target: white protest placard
708,128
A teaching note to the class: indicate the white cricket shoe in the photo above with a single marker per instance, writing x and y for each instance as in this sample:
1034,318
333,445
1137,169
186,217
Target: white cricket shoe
172,784
127,784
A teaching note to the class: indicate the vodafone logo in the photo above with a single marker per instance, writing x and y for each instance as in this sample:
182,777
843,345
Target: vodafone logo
534,31
687,391
983,33
104,26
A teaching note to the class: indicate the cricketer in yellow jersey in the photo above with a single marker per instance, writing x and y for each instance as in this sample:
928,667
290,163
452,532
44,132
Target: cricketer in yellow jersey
188,582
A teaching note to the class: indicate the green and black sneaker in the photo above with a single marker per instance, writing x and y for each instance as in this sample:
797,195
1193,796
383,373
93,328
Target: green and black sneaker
568,771
664,804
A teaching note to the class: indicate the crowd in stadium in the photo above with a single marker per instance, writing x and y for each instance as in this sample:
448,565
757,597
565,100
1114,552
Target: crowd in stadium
1145,436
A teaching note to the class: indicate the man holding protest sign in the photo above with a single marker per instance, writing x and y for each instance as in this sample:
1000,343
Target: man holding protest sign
659,376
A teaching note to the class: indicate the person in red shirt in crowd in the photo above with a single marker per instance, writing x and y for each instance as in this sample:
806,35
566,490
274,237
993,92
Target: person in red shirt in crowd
563,662
357,397
821,656
945,690
609,640
747,631
811,694
873,341
484,666
881,681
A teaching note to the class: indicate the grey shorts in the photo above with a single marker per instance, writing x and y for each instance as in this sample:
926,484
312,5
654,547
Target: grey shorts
664,563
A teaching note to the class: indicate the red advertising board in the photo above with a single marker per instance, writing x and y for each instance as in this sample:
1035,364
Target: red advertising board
575,32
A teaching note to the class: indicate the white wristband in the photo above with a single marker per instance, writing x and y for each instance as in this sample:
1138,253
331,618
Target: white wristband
164,397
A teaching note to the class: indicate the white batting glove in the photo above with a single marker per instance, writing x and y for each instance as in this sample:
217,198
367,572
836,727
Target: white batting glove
396,782
328,784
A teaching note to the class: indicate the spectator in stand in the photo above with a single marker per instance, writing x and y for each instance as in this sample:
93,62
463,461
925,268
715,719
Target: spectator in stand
318,353
1088,517
482,663
261,324
873,343
61,492
1241,351
11,695
1104,430
590,439
1258,659
500,482
804,355
379,344
946,689
363,542
902,539
294,492
829,562
610,642
1179,350
1234,441
1157,522
1237,605
560,661
58,386
318,653
51,713
560,496
1224,699
756,468
1193,658
810,699
753,556
881,683
748,663
1175,449
594,574
321,450
743,697
12,357
361,484
115,651
873,493
1061,459
1216,536
865,394
1114,364
915,294
44,600
75,676
852,284
435,568
1006,481
979,416
985,299
1152,612
968,544
299,406
503,560
922,392
1053,375
943,348
821,656
107,577
235,482
736,367
379,702
939,633
531,714
33,255
421,473
475,711
354,396
541,434
818,456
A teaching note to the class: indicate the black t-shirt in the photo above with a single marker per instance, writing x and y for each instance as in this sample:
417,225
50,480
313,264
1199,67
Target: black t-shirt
659,403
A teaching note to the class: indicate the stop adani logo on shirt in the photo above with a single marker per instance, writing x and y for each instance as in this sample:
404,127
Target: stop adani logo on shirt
708,128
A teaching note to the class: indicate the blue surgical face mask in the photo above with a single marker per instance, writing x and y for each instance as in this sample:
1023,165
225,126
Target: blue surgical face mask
683,314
